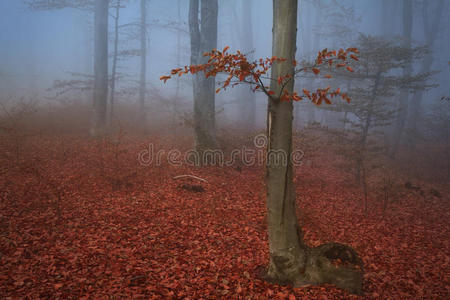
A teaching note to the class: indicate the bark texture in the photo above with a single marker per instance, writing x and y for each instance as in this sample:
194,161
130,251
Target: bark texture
203,39
100,67
291,261
143,73
404,95
114,62
431,29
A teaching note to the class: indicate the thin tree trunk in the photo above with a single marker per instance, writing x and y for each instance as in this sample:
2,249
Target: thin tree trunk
404,95
316,44
366,128
246,37
100,67
143,73
114,63
430,34
203,39
177,89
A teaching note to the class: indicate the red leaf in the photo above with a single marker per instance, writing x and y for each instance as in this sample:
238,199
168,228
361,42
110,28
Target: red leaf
58,286
316,71
354,57
165,78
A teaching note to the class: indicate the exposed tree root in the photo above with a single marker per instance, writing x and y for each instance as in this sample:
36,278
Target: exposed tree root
331,263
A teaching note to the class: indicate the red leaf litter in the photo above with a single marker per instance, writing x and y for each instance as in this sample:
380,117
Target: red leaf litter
81,219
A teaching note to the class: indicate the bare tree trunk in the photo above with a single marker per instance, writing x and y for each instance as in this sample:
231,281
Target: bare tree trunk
430,34
291,261
100,67
114,63
177,89
143,73
365,131
203,39
316,43
404,95
248,103
287,256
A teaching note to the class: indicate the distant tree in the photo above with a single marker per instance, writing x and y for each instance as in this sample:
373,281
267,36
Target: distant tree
203,39
247,105
143,57
100,9
375,83
100,67
431,27
406,69
114,59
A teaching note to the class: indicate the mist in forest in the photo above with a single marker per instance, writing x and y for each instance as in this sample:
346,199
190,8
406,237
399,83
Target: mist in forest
47,52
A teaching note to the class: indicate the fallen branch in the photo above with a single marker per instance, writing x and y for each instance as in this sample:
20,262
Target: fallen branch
190,176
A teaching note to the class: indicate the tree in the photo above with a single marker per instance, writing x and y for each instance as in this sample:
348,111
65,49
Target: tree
114,61
291,260
100,94
100,67
245,37
431,29
376,83
203,39
143,56
404,96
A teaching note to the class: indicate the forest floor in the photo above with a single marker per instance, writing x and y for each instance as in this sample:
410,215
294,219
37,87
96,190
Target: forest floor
83,219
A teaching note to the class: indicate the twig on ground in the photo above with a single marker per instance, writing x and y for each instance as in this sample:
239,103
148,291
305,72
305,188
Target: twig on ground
190,176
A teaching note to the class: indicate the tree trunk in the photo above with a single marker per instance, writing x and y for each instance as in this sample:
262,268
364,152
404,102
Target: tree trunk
404,95
143,73
248,101
100,67
178,81
203,39
430,34
365,132
114,63
291,261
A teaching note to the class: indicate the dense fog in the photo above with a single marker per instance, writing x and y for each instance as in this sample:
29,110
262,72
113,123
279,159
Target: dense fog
43,46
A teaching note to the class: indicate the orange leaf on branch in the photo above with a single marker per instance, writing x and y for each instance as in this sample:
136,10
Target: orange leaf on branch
164,78
237,67
354,57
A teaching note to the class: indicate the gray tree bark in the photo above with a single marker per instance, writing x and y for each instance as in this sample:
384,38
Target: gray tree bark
203,39
404,95
430,35
287,257
143,71
248,101
114,62
291,261
100,67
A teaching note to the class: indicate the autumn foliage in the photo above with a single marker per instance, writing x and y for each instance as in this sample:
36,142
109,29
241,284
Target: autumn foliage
150,238
239,70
